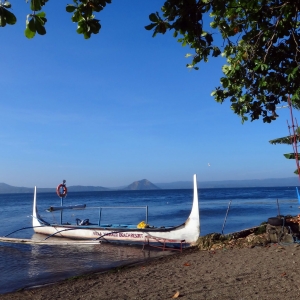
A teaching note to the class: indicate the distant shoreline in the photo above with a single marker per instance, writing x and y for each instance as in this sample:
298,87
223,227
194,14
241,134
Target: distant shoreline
145,185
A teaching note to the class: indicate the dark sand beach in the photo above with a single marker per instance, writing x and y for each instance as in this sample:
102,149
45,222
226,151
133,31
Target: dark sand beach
260,272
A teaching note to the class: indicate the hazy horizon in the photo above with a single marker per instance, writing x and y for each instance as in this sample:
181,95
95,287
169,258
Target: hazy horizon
291,179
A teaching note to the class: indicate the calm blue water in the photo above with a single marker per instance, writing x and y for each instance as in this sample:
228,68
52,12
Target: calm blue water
27,265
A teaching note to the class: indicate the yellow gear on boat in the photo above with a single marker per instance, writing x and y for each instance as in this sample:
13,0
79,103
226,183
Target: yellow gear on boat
142,225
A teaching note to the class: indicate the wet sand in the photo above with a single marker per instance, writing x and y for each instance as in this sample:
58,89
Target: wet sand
261,272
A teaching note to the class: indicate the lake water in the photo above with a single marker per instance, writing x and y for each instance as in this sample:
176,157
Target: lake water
27,265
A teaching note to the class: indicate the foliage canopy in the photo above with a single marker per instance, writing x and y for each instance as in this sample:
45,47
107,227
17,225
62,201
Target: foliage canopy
259,40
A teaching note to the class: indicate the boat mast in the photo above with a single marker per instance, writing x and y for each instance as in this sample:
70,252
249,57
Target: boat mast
61,192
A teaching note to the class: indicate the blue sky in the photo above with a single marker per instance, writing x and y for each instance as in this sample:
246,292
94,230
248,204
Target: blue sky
120,107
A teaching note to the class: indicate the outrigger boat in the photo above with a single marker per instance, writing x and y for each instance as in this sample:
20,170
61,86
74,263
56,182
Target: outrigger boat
188,232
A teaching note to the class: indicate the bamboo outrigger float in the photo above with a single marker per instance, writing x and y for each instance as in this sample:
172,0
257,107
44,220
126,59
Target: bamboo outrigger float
47,242
188,232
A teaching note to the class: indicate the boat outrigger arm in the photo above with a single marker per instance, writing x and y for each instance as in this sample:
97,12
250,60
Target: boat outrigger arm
189,231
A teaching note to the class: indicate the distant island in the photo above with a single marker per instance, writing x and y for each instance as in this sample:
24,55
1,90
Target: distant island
145,184
141,185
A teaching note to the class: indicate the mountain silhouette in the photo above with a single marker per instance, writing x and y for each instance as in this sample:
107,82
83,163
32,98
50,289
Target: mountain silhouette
141,185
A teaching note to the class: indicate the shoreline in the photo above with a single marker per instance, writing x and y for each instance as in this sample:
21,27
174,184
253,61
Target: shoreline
260,272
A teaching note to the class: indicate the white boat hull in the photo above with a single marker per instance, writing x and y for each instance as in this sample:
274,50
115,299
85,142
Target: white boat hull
188,231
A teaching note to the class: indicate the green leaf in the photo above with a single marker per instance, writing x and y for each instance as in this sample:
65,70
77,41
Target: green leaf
31,25
2,20
76,16
153,18
30,29
40,29
291,155
10,17
216,52
284,140
213,25
224,82
39,20
29,34
81,27
35,5
41,14
87,35
208,38
70,8
94,26
39,25
150,26
226,69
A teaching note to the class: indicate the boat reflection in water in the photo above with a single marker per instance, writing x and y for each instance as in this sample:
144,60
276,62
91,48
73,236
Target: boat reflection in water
49,263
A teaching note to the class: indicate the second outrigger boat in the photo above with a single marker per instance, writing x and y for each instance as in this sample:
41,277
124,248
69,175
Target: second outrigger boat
188,232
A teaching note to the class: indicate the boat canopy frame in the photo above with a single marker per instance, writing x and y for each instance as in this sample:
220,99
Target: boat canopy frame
100,208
